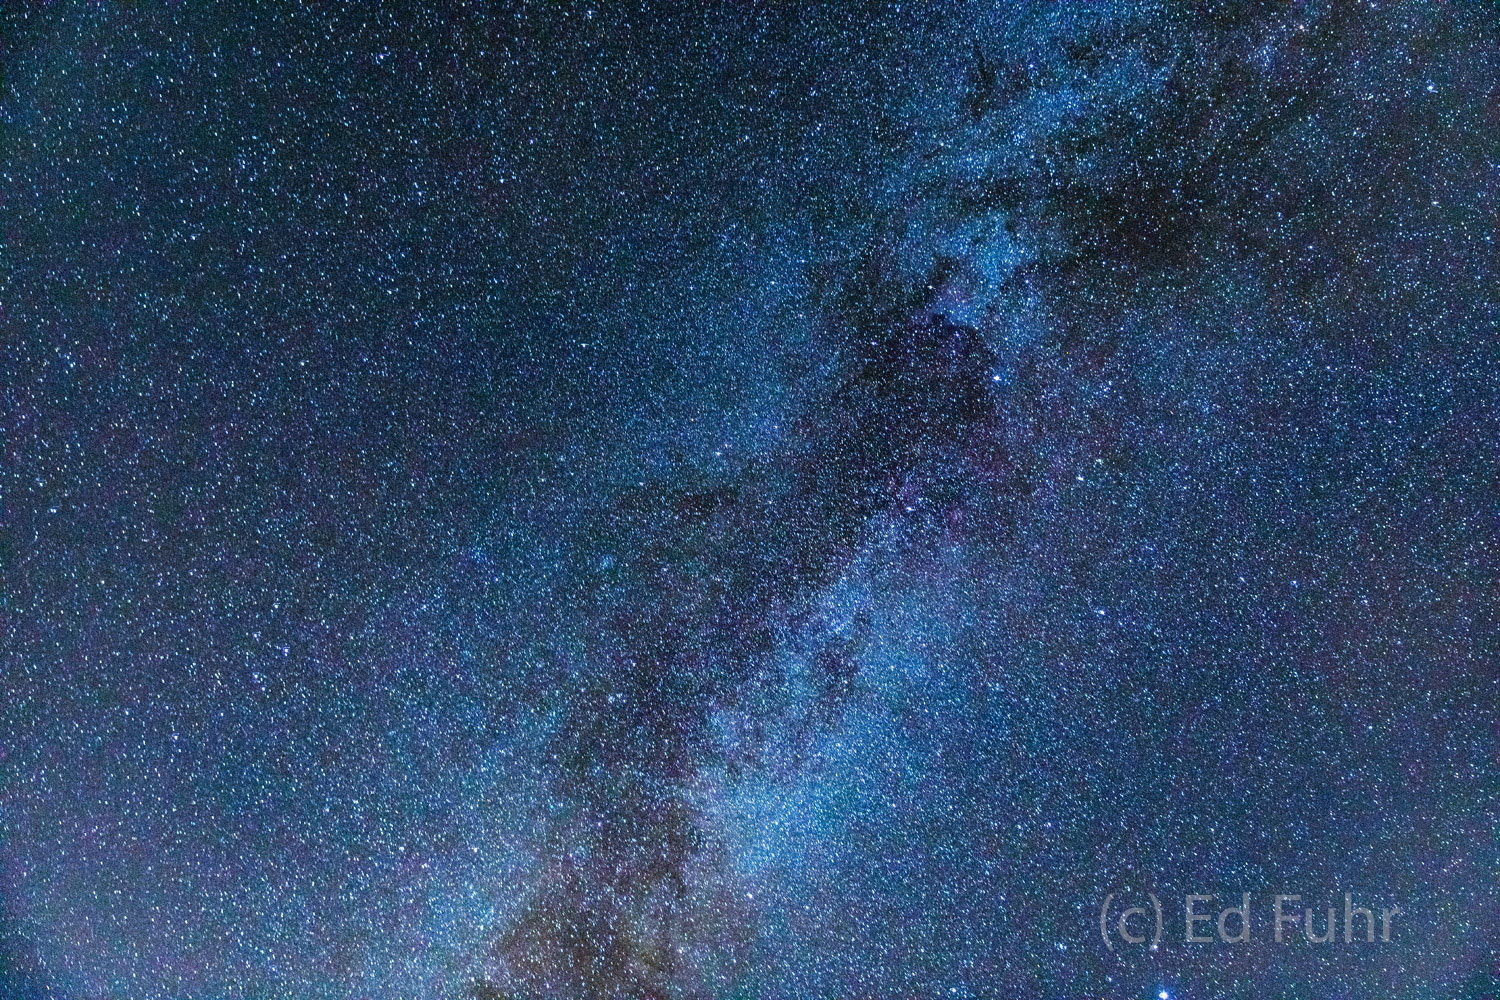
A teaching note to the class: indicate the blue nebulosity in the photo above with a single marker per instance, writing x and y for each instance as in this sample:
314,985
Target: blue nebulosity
567,501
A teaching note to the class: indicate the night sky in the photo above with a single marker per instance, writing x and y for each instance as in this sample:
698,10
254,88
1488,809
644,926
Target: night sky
650,503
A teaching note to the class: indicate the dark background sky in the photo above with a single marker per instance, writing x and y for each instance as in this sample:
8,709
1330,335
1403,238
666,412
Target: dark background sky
562,501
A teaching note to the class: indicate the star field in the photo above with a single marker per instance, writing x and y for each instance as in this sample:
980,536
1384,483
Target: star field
567,501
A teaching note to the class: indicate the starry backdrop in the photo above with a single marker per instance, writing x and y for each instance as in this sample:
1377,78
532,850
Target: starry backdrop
744,501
